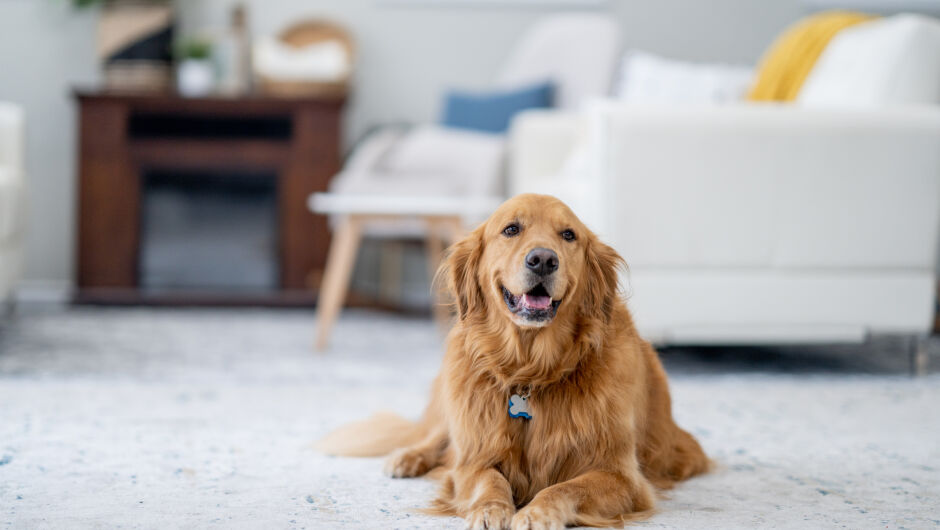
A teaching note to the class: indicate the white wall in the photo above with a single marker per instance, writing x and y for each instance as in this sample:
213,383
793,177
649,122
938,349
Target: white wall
407,56
410,55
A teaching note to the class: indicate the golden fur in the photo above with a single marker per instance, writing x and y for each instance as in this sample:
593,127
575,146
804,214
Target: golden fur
601,438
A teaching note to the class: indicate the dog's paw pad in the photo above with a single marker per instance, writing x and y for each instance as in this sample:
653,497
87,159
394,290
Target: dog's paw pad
490,517
405,463
535,518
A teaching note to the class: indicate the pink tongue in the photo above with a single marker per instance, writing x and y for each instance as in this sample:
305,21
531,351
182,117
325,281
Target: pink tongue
536,302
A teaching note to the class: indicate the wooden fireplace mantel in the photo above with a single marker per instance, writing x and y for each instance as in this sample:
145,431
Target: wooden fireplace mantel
113,157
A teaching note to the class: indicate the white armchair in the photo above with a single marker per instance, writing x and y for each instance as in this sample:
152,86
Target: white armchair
426,181
577,51
12,192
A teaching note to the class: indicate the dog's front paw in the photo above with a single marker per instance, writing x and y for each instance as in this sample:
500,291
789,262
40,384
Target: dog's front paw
490,517
407,463
537,518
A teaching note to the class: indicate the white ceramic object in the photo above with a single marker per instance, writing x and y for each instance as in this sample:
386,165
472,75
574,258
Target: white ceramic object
195,78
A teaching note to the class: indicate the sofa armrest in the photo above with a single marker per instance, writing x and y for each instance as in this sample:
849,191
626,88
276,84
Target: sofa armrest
11,137
366,158
540,143
11,204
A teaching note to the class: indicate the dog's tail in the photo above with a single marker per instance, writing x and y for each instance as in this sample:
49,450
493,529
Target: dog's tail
376,436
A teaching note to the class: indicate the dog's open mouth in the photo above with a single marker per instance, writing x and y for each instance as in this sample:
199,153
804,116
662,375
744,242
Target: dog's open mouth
535,305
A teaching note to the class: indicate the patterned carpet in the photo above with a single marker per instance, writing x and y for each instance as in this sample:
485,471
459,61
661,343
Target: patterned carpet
205,418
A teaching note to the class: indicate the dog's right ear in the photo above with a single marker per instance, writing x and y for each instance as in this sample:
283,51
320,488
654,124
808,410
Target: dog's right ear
460,271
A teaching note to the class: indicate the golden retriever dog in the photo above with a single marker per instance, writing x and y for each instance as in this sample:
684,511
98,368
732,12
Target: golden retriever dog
549,409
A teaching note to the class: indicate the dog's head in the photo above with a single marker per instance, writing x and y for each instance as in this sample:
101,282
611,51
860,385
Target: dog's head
533,261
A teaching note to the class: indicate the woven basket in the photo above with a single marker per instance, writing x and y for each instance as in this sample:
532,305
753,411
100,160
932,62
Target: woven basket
304,34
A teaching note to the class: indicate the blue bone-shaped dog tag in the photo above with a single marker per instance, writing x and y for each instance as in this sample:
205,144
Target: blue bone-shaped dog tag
519,407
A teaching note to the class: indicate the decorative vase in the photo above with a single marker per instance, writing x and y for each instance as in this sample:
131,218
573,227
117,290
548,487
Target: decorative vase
135,44
232,54
195,78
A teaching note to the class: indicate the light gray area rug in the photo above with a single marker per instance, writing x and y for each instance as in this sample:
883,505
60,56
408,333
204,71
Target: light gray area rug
205,418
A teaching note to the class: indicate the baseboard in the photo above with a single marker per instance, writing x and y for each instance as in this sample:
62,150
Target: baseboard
43,292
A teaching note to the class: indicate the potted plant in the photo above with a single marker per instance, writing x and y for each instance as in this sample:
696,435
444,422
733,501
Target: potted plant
134,42
195,74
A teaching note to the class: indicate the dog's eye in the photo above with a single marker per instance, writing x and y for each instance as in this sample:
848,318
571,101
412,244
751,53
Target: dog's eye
568,235
511,230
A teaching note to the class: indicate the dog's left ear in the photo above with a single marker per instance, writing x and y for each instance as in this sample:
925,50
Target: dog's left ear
602,279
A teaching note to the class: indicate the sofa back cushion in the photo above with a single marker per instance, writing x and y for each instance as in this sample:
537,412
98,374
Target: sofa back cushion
895,60
647,78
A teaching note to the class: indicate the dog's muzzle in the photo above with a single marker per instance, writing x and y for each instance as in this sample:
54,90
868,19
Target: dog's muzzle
536,305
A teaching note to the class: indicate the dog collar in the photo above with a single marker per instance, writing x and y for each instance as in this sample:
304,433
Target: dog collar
519,405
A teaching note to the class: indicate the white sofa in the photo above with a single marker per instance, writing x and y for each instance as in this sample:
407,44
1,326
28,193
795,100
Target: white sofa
754,223
11,197
810,222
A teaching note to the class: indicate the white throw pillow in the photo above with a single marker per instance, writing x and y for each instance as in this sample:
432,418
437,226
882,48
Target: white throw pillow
894,60
647,78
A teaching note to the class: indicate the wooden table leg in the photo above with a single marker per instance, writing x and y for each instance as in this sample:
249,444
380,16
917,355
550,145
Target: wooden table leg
390,270
339,268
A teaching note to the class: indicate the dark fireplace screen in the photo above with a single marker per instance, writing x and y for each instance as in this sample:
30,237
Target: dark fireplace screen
209,232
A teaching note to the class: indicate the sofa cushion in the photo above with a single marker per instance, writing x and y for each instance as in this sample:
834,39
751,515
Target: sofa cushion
493,111
647,78
895,60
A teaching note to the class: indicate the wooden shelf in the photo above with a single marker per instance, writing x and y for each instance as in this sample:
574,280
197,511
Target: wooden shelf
186,154
250,104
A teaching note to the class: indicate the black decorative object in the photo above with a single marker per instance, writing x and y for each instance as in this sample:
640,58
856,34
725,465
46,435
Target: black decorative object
135,44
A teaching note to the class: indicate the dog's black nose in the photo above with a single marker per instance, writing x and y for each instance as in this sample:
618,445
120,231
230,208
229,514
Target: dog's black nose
542,261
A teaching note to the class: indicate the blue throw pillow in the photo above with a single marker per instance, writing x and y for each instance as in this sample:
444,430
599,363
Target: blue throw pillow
493,111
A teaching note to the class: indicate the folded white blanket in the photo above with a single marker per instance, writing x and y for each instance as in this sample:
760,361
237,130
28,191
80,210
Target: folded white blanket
324,61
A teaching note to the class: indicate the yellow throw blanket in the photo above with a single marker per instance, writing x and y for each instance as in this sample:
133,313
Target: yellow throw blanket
791,58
